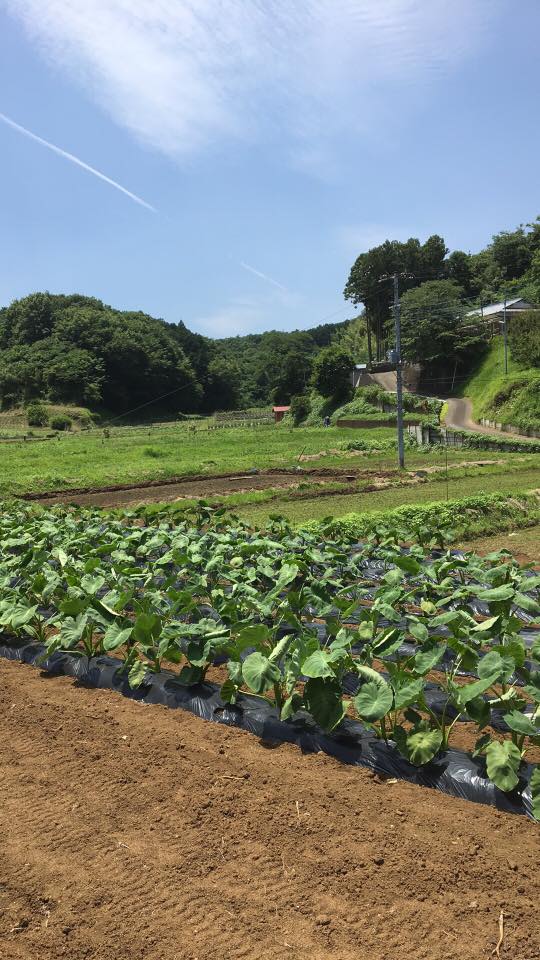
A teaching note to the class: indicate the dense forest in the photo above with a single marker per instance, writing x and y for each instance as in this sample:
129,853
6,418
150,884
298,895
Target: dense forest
76,349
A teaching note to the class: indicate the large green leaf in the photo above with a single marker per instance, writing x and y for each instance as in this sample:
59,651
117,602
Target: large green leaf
147,629
520,723
493,665
527,603
323,699
469,691
115,636
503,760
428,657
497,594
259,672
407,693
422,745
374,700
317,665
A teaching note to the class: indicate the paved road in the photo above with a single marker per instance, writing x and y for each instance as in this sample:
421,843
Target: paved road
459,417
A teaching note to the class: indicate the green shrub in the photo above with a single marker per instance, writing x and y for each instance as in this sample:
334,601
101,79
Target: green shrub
300,408
37,415
61,422
524,337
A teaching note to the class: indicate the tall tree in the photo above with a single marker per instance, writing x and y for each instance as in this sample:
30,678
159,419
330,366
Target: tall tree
415,262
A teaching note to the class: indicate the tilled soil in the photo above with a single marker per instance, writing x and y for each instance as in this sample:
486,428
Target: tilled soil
132,831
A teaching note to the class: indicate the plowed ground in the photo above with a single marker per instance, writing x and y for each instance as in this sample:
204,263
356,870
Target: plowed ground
136,832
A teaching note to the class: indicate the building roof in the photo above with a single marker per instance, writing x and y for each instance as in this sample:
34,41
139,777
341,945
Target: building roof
493,308
280,409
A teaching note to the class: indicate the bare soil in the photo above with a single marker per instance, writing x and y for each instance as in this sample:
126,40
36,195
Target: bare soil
179,488
132,831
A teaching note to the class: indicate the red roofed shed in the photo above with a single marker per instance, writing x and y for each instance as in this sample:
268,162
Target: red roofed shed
279,413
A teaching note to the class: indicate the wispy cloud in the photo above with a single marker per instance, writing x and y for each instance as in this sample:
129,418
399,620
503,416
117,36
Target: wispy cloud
181,74
263,276
76,160
238,317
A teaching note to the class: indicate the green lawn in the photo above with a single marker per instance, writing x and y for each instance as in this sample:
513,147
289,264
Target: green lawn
132,455
139,454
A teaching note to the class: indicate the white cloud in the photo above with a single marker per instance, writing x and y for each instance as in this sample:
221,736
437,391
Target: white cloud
237,317
183,74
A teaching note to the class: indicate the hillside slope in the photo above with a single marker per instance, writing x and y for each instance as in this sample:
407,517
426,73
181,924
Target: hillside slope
512,398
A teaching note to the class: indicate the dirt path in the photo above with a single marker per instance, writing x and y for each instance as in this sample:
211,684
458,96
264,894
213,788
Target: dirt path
459,417
189,487
201,487
137,833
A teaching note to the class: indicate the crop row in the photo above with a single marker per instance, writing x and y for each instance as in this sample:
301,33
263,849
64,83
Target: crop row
292,619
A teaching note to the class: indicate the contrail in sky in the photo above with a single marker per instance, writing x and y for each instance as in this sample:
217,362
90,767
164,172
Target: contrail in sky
263,276
75,160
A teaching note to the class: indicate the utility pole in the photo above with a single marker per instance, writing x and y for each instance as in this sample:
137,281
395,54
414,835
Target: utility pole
399,374
505,330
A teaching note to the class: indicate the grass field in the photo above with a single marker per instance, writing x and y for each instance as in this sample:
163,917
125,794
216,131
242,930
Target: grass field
508,398
141,454
302,510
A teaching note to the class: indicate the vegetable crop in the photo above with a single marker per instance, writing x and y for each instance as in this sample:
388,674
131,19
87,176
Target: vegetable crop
410,640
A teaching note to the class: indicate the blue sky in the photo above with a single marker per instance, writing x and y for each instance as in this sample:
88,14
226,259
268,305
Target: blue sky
274,141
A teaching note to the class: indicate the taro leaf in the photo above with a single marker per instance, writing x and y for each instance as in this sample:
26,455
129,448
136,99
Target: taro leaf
190,675
386,611
387,643
252,636
365,630
503,760
91,585
419,631
291,705
527,603
407,563
535,791
479,710
259,672
137,674
323,699
374,700
493,665
408,693
317,665
497,594
72,631
486,625
469,691
428,607
229,691
481,744
533,686
514,648
521,723
147,629
535,649
422,745
427,658
286,575
116,637
234,669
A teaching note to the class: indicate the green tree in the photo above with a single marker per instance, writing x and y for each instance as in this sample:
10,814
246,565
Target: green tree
332,373
432,327
415,262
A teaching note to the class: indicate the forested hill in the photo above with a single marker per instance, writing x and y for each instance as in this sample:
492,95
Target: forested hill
76,349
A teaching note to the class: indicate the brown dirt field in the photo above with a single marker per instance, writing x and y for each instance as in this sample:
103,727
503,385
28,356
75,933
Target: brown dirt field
137,832
178,488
